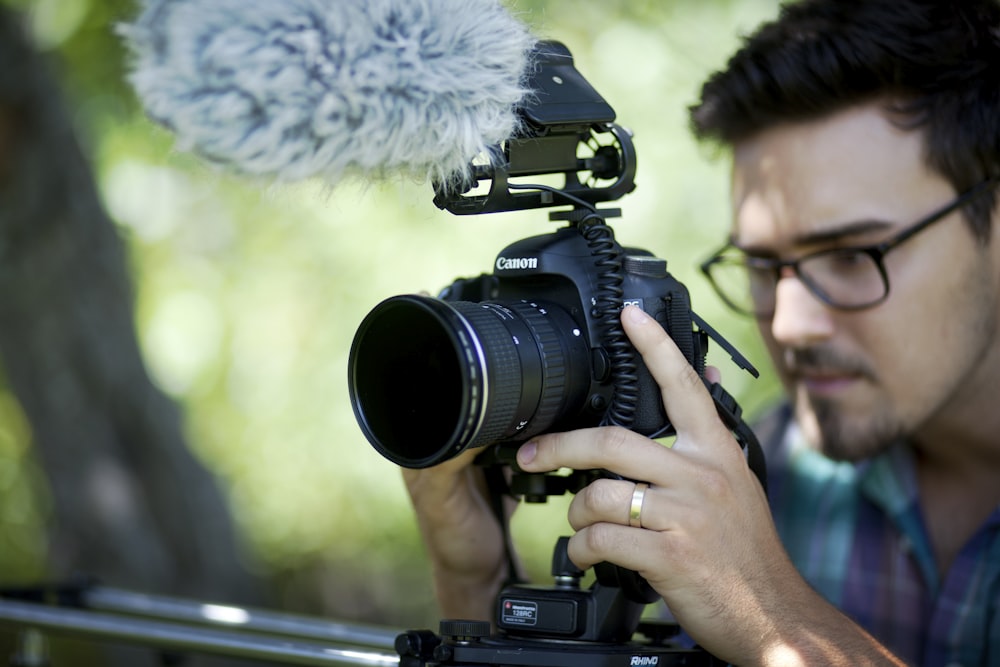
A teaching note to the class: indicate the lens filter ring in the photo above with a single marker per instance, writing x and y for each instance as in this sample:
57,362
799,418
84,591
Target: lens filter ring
429,378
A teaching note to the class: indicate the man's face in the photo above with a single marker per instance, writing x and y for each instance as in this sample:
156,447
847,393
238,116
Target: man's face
861,379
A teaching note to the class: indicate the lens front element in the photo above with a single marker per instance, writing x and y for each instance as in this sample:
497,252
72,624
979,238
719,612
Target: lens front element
430,378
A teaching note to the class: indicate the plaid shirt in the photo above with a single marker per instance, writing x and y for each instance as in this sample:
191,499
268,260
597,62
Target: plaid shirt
856,533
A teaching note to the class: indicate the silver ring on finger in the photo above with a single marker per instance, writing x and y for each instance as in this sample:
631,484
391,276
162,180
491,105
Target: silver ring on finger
635,509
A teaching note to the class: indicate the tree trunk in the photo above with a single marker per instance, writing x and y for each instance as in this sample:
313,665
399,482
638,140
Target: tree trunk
130,504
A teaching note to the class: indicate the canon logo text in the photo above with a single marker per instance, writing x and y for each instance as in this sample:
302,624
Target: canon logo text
512,263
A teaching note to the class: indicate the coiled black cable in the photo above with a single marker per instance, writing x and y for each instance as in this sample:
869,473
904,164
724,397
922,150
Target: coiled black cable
606,310
607,307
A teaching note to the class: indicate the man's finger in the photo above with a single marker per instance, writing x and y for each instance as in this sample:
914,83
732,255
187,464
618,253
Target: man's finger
688,403
624,452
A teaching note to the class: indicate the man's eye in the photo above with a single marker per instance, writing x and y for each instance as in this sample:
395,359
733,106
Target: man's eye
849,259
761,264
841,262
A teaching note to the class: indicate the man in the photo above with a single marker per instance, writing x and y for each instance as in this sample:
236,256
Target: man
865,138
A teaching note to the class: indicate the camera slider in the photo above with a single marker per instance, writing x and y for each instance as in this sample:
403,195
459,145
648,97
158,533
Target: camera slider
561,625
468,643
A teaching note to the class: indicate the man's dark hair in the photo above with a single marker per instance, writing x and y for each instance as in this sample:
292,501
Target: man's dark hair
934,62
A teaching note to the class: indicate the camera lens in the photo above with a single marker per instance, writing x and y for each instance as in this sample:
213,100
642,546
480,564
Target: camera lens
430,378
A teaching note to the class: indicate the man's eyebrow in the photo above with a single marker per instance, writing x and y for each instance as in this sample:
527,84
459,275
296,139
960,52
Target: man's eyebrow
830,236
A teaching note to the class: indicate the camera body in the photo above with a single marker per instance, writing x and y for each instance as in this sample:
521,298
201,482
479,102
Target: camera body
536,346
577,291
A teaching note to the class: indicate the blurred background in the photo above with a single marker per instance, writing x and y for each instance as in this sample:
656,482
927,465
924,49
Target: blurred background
150,303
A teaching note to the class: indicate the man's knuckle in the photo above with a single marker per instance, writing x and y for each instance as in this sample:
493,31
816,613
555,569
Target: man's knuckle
616,442
715,482
688,377
598,495
600,537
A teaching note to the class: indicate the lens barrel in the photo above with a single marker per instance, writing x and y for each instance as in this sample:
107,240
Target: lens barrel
430,378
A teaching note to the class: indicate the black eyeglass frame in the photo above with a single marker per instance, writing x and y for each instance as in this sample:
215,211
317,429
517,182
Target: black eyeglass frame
876,251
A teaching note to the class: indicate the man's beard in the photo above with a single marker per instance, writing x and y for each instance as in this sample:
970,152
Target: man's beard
837,431
844,440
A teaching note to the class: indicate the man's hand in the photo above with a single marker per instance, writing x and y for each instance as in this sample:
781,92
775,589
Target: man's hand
704,539
462,534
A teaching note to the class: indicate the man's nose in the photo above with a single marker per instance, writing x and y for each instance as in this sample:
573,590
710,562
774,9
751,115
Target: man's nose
800,318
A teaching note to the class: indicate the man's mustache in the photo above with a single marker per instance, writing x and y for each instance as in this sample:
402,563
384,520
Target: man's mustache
824,360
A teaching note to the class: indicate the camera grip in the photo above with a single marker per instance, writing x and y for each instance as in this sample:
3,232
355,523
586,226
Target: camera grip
674,315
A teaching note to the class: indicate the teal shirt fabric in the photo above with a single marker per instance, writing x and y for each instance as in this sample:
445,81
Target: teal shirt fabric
856,533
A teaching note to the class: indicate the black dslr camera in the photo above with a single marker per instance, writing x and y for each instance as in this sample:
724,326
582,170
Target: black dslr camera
537,345
534,347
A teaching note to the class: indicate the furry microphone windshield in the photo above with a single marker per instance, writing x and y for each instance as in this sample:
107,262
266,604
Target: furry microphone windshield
298,88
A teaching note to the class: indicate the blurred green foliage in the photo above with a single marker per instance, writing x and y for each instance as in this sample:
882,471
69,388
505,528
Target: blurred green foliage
249,293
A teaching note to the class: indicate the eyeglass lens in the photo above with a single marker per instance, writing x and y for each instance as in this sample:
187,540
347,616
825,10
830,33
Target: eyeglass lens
846,278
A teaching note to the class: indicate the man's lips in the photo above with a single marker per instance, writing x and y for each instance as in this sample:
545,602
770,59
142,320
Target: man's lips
822,371
825,382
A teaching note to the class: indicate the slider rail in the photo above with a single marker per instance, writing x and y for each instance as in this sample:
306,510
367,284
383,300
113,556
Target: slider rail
111,615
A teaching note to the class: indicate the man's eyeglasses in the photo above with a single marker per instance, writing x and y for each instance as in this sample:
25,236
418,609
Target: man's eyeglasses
844,278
